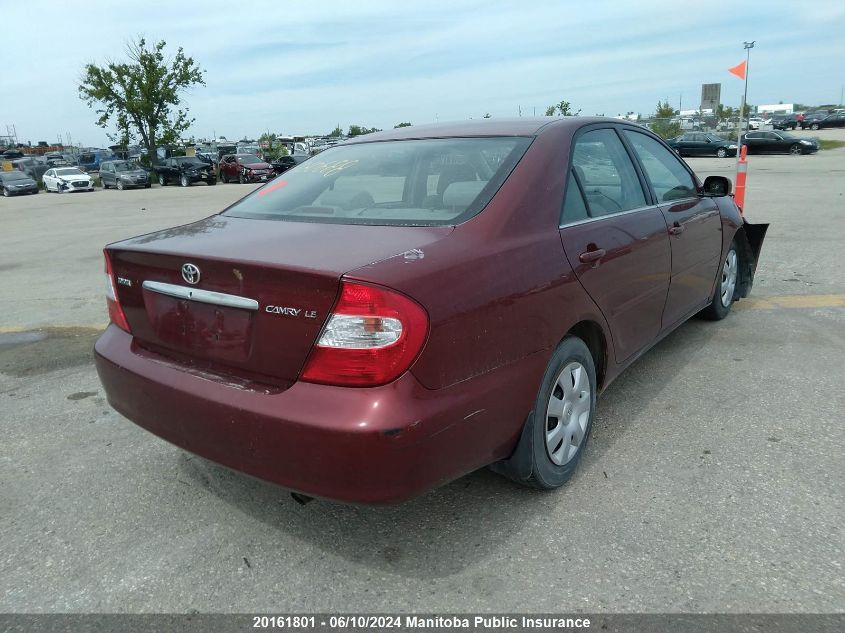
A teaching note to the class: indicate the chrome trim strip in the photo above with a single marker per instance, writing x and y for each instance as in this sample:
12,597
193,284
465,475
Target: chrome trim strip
202,296
609,215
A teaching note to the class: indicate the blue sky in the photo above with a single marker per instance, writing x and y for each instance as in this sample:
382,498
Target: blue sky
303,67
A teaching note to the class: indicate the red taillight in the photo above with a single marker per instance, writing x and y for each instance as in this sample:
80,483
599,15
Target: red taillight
116,315
371,338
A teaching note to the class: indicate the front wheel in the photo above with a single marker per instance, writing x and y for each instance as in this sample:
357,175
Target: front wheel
814,126
723,298
120,185
5,192
183,180
721,152
795,150
556,432
162,180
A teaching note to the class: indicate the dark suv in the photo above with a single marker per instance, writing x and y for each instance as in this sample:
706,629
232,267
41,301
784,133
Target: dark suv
185,170
787,121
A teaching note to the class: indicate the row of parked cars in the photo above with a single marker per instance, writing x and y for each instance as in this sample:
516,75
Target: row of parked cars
758,142
124,174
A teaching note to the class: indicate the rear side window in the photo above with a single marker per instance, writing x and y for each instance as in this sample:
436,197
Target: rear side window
668,177
574,208
414,183
610,182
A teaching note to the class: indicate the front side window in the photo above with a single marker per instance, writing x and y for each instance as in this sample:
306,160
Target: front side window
668,177
413,183
610,182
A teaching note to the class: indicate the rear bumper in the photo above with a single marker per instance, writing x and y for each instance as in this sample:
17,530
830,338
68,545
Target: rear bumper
379,445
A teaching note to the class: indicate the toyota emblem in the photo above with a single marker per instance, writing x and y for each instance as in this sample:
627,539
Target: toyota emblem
190,273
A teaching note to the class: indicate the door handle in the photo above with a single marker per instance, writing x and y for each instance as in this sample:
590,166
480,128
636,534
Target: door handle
676,229
592,256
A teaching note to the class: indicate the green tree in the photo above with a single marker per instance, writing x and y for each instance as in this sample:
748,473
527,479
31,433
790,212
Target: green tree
564,108
663,125
358,130
404,124
142,96
336,133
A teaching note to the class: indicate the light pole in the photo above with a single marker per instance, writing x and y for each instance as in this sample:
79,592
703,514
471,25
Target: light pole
748,47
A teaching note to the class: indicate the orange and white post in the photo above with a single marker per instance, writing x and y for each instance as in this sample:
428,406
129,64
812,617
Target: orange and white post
741,174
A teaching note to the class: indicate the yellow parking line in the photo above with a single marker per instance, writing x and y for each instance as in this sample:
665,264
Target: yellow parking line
793,301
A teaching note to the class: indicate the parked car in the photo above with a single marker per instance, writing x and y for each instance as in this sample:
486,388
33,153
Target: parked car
245,168
831,120
702,144
814,117
283,163
755,123
390,316
787,121
32,166
64,179
122,174
185,170
16,182
91,160
778,143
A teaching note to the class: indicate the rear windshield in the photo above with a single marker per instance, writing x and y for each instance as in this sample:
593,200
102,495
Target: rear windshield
411,183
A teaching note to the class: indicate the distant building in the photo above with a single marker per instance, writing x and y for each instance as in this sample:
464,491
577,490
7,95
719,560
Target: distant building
777,108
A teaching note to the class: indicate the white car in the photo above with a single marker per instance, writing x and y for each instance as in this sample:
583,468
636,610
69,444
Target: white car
62,179
754,123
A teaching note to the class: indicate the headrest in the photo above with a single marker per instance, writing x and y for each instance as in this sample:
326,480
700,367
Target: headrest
461,194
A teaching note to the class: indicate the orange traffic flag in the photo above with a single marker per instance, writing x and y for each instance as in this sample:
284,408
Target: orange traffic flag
738,70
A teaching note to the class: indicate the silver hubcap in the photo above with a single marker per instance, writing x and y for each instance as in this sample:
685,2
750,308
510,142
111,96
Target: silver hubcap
568,413
728,278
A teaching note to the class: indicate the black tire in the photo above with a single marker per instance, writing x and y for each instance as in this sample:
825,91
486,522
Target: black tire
183,181
120,186
719,308
814,126
5,192
795,149
721,152
162,180
532,464
241,178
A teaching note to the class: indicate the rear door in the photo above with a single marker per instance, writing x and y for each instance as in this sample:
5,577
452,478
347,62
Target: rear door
615,240
694,222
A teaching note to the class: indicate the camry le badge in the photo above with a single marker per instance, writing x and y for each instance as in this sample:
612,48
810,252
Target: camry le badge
190,273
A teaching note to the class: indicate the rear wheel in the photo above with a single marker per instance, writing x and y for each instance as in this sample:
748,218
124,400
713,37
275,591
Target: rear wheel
723,298
162,180
5,192
721,152
556,432
795,150
814,126
119,185
183,180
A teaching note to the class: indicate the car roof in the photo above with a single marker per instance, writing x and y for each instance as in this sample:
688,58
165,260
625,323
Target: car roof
520,126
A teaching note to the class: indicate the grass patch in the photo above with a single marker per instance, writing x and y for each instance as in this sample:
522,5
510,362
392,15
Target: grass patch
828,144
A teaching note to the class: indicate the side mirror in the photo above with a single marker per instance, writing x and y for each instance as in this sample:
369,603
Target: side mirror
717,186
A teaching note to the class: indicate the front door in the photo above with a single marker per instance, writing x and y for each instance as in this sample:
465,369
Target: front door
616,240
694,224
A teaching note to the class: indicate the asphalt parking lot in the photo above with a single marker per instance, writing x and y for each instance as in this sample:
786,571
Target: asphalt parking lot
713,481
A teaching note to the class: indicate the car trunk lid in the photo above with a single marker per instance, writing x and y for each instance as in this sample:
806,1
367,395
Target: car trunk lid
254,294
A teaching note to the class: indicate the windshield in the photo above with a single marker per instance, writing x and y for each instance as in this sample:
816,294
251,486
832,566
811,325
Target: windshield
71,171
125,167
411,183
13,175
248,159
188,160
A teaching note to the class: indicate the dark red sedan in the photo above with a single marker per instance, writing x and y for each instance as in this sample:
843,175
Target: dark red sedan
408,307
244,168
